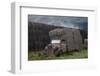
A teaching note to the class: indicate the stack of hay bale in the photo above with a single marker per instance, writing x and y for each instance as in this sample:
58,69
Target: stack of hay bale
85,44
77,40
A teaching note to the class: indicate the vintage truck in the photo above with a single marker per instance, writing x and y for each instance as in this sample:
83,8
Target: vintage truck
63,40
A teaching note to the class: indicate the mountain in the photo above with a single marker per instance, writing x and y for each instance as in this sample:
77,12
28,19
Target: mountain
38,35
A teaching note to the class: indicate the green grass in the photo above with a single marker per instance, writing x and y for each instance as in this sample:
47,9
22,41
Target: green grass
70,55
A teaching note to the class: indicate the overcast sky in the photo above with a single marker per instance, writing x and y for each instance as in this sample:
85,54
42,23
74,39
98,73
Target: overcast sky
66,21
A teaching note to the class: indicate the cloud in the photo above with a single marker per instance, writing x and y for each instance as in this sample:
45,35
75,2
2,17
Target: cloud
66,21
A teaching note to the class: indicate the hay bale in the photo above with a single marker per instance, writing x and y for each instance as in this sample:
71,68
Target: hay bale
77,38
85,45
56,33
68,37
72,37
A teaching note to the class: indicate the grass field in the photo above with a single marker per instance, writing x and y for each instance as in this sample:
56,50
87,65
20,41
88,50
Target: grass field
71,55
